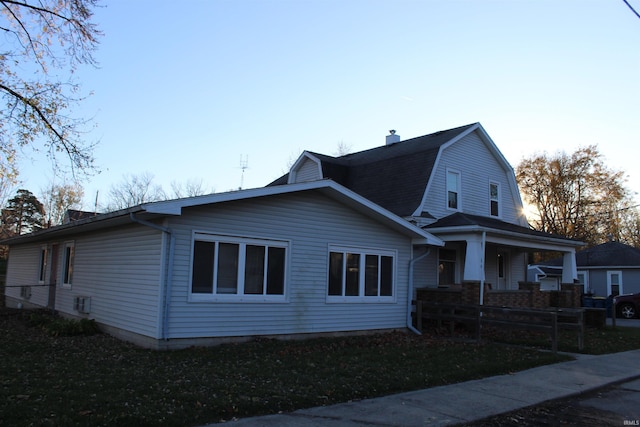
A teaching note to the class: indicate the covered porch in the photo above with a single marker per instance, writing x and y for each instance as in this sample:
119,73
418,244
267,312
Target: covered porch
494,255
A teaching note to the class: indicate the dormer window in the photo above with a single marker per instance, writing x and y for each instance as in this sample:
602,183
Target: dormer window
494,199
453,190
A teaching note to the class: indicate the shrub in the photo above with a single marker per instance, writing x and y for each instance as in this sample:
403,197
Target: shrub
60,327
71,327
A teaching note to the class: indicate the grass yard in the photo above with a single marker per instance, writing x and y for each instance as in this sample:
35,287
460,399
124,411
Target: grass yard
51,379
596,341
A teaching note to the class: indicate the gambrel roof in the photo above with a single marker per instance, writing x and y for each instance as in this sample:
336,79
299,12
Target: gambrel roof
393,176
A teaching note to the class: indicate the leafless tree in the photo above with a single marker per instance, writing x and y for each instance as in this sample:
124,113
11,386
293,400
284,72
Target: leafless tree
58,199
134,190
190,188
43,40
576,195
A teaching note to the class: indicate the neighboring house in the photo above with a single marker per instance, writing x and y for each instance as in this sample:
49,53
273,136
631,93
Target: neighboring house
76,215
305,258
336,245
611,268
458,186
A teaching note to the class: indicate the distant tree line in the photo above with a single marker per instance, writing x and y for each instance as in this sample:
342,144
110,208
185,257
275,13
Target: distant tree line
25,213
572,195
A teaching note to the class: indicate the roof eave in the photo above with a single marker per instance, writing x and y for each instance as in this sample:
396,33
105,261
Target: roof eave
454,230
174,207
87,224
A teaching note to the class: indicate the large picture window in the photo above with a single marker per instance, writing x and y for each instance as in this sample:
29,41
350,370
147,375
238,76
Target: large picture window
365,274
230,268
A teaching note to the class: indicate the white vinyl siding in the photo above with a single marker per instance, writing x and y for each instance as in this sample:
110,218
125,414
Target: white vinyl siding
477,167
23,271
310,222
123,271
119,270
308,171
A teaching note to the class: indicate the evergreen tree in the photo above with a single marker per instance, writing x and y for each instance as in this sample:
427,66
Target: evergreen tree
23,214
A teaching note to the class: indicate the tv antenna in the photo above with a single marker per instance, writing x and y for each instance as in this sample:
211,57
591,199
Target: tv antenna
244,165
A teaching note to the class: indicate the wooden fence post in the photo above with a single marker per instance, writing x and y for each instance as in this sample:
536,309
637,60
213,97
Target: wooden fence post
478,323
554,332
614,313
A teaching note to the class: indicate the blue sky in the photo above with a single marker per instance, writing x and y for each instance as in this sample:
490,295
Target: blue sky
185,90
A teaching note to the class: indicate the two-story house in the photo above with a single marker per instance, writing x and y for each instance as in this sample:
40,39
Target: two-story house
338,245
457,185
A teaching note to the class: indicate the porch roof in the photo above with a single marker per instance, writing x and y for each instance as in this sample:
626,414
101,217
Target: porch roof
460,224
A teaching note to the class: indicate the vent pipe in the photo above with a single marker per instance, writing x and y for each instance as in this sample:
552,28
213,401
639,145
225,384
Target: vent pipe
392,138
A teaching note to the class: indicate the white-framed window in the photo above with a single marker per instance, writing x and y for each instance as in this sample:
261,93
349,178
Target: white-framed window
614,283
360,275
583,279
494,199
229,268
67,267
453,190
42,268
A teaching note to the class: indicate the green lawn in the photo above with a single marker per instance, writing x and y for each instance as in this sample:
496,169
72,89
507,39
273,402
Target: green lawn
56,380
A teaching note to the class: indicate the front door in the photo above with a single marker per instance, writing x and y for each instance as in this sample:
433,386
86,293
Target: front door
503,270
53,278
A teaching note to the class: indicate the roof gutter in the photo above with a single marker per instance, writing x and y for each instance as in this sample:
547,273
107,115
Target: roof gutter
168,280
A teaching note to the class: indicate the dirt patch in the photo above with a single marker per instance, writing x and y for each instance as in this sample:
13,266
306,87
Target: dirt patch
565,412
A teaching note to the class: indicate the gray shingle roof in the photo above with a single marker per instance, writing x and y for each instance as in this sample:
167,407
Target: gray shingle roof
606,254
392,176
460,219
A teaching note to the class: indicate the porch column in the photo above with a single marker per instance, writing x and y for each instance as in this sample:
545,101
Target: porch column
569,267
474,260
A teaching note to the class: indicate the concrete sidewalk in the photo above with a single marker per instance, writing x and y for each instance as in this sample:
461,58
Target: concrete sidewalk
468,401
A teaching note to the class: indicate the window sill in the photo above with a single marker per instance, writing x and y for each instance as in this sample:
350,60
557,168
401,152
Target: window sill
235,299
360,300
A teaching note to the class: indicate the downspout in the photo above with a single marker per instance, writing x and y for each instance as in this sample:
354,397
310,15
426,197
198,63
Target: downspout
410,294
483,245
169,279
